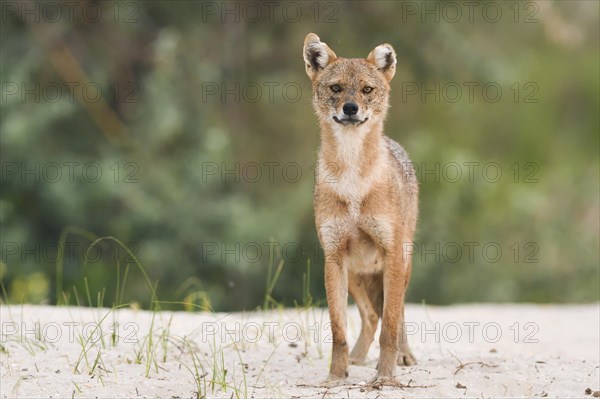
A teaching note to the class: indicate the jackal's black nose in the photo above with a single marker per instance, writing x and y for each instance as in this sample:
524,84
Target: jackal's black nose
350,108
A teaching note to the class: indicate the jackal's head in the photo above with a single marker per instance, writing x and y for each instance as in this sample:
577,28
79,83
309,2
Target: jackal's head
349,92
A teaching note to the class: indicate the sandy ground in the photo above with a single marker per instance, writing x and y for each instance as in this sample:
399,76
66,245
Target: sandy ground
470,351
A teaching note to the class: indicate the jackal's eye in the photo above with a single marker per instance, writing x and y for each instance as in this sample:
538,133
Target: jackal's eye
367,89
336,88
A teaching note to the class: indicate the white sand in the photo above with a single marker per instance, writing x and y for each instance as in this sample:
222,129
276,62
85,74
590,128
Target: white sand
463,351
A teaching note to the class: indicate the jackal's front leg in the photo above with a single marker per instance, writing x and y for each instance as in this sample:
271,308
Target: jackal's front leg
405,356
393,317
336,285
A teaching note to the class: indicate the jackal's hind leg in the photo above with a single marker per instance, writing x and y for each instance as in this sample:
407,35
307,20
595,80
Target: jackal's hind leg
358,286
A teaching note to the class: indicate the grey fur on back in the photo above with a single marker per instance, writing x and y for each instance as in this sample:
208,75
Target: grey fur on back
405,166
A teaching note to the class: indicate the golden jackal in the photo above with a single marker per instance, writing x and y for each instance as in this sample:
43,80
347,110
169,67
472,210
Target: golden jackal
365,203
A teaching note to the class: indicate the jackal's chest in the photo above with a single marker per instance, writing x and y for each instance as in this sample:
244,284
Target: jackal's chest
349,182
349,187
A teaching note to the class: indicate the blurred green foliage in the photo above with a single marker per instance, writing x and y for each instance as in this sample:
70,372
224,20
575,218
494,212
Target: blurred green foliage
200,176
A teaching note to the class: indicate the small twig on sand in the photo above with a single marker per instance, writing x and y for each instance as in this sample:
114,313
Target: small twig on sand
462,365
396,384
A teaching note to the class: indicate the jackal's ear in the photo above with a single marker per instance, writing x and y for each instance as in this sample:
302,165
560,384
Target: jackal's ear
317,55
384,58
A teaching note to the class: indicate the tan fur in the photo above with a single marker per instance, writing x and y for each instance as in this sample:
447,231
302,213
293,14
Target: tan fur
365,203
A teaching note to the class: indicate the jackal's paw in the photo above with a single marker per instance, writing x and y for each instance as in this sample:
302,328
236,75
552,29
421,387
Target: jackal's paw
406,359
380,380
332,379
